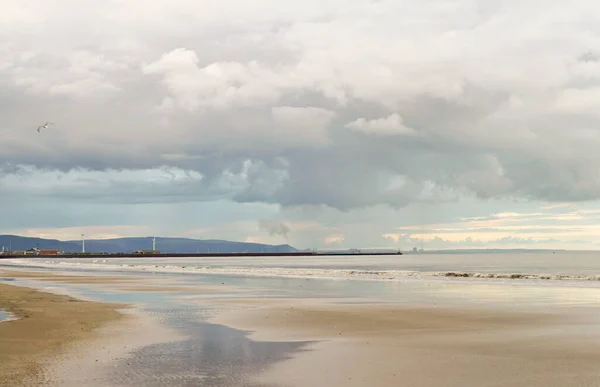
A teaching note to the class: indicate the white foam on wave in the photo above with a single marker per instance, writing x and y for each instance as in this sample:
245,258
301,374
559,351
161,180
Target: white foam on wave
380,275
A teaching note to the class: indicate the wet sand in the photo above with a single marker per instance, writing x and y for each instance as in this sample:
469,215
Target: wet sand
159,345
414,346
332,342
68,278
125,283
46,324
92,362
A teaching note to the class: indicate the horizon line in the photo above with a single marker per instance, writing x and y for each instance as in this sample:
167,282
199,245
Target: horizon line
408,250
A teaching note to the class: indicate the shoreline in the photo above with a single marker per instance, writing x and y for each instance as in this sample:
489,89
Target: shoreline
44,328
317,273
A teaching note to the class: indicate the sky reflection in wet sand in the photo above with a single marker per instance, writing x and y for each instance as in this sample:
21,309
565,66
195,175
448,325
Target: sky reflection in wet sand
4,315
213,355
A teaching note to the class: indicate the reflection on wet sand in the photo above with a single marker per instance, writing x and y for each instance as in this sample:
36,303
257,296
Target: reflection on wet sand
211,355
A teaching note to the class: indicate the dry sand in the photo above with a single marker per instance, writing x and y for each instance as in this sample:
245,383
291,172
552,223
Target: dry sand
46,324
421,347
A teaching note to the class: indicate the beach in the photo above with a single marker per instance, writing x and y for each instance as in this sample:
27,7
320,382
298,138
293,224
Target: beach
403,346
203,330
44,325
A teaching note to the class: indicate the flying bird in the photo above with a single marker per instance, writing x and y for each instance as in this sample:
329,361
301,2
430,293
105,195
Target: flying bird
45,126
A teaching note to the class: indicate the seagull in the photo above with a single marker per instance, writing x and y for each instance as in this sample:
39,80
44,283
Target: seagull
45,126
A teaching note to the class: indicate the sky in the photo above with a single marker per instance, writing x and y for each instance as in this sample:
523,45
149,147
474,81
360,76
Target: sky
320,123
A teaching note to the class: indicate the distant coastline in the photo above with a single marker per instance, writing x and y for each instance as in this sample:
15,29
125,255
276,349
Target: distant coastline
490,251
19,246
185,255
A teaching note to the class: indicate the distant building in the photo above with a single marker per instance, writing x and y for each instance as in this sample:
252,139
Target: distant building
22,252
33,251
48,252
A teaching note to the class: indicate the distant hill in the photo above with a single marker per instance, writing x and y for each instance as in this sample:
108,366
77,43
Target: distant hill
129,245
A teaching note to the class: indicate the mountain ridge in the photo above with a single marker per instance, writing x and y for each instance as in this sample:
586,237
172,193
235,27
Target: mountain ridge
131,244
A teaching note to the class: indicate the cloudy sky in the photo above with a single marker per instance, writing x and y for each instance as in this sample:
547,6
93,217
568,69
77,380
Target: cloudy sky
319,123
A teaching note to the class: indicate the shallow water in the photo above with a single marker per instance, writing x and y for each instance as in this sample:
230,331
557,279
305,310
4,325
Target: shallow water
506,293
4,315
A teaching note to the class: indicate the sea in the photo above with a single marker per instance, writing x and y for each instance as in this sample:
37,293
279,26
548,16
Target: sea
536,265
494,279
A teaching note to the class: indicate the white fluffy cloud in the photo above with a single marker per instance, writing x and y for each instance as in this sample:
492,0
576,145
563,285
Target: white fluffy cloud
390,125
351,105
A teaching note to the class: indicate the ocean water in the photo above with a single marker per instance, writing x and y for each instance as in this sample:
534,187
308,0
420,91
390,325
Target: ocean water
514,280
561,266
4,315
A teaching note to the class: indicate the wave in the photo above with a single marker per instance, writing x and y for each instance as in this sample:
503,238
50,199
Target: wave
379,275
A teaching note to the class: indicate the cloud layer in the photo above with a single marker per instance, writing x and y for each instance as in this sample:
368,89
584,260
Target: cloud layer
352,106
